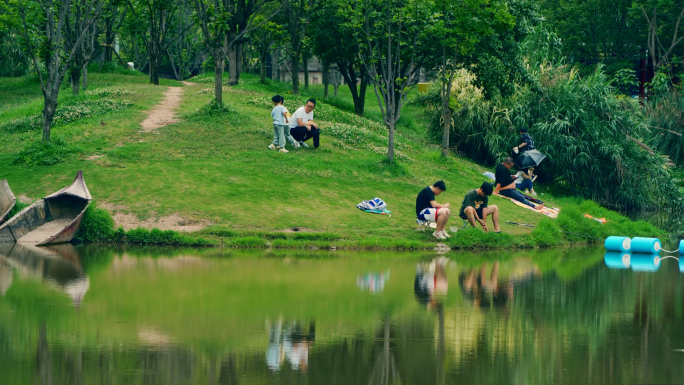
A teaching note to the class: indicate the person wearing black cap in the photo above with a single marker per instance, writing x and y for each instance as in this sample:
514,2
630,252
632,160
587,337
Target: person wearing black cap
527,144
475,208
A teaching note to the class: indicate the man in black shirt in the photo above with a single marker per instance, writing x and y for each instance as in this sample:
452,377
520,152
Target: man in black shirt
505,185
427,209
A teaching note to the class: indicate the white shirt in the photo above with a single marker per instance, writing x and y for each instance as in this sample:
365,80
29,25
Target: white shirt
518,177
300,114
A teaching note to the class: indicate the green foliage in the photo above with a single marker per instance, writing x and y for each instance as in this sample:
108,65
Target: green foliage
247,243
39,153
665,120
97,225
163,237
625,80
547,233
17,208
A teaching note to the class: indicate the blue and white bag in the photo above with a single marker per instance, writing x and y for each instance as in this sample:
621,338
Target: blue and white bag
375,205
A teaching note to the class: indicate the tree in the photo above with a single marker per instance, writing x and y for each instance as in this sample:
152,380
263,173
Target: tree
216,23
333,42
661,51
298,13
153,23
459,26
77,24
43,24
263,39
595,31
184,51
394,34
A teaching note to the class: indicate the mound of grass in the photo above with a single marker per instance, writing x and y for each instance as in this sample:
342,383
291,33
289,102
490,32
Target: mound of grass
39,153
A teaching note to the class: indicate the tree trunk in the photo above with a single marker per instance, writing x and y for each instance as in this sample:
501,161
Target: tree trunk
275,68
447,129
50,106
75,81
295,74
390,146
360,101
233,64
219,63
326,80
85,77
305,61
262,70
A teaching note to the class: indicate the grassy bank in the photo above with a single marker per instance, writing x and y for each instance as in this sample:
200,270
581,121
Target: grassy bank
213,167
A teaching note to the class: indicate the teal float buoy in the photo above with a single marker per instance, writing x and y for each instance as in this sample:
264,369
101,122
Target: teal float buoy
681,247
681,265
618,259
618,243
645,245
643,262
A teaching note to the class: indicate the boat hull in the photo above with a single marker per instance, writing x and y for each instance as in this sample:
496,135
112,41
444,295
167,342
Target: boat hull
54,219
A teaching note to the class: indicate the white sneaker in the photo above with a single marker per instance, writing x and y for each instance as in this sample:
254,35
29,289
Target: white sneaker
272,146
438,235
303,144
446,235
295,144
283,150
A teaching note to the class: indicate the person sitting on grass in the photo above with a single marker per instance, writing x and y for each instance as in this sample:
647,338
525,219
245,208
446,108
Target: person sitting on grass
505,185
280,124
525,180
427,209
302,126
475,208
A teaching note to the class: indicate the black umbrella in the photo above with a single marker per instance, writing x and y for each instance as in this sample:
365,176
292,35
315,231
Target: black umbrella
530,158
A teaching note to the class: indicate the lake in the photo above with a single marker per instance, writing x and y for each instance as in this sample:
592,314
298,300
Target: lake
96,315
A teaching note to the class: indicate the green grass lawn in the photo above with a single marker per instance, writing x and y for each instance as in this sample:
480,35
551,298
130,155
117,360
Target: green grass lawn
215,166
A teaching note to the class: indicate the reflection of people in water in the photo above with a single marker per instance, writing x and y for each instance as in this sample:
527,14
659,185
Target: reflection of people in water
373,282
289,343
431,285
483,291
490,291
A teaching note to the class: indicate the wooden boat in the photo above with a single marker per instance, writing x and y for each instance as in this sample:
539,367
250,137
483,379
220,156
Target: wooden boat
7,200
53,219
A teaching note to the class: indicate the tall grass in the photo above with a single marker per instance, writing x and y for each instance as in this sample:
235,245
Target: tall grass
665,121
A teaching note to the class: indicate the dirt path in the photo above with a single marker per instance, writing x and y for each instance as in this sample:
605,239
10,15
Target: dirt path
163,113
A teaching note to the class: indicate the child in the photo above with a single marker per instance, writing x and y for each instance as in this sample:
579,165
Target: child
280,124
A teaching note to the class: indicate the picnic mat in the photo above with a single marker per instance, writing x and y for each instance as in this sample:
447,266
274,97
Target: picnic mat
548,211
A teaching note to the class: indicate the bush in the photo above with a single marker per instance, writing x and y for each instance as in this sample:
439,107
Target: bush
97,225
39,153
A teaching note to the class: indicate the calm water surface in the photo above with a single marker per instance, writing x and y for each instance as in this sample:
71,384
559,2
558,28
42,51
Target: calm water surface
150,316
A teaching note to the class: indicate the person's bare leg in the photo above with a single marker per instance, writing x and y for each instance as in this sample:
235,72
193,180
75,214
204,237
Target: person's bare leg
442,218
470,214
539,207
494,212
